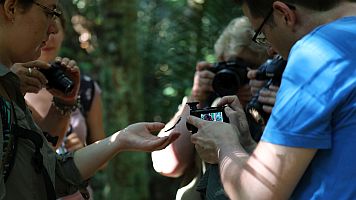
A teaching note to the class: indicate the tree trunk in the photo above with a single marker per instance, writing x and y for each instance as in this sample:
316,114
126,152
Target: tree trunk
127,173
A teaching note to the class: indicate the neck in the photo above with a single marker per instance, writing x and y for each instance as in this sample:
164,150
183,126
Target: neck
310,19
4,60
5,55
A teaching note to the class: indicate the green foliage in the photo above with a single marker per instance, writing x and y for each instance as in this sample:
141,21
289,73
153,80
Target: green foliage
174,36
143,55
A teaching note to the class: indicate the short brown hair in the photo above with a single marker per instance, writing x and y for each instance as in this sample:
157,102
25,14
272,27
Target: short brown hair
260,8
24,3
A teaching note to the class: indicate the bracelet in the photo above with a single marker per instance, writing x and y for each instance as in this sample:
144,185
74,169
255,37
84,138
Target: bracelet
65,109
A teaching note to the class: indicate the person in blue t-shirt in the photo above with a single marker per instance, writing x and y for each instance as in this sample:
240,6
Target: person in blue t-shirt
306,151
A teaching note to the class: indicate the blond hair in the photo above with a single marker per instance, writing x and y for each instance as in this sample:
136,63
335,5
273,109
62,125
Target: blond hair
236,37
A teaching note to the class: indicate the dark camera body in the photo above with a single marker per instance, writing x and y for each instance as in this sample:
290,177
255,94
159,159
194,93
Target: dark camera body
272,72
57,79
229,76
209,114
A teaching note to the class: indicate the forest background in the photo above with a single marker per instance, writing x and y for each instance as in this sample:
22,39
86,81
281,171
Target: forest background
143,55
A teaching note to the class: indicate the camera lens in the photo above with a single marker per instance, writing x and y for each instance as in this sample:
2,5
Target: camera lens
57,79
229,77
226,82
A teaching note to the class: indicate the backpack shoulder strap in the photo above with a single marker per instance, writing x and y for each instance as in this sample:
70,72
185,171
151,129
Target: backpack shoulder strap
86,92
9,143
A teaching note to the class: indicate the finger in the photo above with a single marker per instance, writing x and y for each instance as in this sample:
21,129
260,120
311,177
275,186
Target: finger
74,142
267,108
257,83
254,91
58,59
72,63
36,64
160,143
64,61
38,76
171,138
198,139
32,82
206,74
202,66
205,81
75,147
154,126
267,100
231,114
226,100
267,93
273,88
233,101
195,121
72,135
252,74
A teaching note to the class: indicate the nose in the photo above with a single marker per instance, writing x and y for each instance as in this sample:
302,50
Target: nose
51,36
53,27
271,52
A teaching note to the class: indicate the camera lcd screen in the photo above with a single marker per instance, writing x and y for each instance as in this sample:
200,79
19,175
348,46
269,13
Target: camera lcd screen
216,116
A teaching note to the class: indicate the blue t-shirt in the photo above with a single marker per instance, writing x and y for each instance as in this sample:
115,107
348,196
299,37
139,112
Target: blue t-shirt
316,108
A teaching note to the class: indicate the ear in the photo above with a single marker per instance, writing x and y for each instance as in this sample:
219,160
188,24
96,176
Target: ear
9,9
287,12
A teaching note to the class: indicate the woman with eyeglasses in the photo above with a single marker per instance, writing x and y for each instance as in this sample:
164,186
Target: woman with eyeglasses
29,167
86,122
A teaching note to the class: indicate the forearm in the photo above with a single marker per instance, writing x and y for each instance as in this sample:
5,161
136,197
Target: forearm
90,158
232,161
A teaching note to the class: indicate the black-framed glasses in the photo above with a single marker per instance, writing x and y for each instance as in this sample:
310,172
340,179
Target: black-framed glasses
53,13
259,37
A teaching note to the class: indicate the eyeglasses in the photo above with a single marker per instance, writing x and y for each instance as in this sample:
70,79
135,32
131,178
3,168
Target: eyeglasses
259,37
53,13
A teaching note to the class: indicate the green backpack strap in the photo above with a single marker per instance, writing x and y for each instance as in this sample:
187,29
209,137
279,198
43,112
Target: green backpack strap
9,140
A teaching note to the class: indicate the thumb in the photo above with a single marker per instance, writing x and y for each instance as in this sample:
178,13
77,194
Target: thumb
168,140
37,63
195,121
155,126
252,74
231,114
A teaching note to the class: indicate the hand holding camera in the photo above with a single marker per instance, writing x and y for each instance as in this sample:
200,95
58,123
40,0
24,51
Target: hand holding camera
209,114
63,80
271,72
202,85
237,117
31,80
211,135
229,76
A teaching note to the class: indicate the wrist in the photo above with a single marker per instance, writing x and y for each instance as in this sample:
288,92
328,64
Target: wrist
117,139
65,108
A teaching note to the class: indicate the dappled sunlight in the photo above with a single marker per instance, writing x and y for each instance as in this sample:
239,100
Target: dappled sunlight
237,167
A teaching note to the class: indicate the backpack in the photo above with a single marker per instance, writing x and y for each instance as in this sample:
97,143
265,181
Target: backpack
11,132
86,93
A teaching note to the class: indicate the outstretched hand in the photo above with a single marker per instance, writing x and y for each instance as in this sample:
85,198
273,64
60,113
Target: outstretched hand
139,137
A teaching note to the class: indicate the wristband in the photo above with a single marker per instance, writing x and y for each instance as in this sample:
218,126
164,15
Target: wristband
65,109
